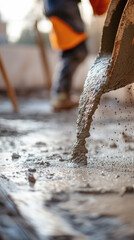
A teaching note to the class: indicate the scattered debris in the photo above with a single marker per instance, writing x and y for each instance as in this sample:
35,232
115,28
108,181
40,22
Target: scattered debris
31,178
127,189
127,138
15,156
117,176
40,144
46,164
57,197
32,169
113,145
96,191
129,148
79,191
7,131
61,159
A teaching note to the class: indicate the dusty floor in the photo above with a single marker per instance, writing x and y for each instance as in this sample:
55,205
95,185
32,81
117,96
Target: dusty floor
60,201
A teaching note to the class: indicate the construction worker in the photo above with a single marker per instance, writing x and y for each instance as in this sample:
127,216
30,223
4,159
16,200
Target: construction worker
69,37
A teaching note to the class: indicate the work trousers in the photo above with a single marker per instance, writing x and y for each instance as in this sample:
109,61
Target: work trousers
68,35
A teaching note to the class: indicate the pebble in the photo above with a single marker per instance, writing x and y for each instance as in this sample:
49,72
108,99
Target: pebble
31,178
113,145
61,159
15,156
32,169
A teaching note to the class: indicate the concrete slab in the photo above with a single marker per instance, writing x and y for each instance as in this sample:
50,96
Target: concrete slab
58,200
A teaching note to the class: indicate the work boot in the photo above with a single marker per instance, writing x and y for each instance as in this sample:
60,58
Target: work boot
63,101
70,60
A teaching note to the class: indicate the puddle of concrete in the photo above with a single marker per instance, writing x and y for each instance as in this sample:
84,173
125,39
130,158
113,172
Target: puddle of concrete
64,202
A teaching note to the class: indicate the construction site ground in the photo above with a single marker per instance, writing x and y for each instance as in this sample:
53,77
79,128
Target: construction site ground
57,200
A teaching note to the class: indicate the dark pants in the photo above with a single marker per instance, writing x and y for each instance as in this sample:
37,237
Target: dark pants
68,12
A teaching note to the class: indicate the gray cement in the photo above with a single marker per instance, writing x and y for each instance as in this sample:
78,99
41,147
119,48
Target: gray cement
113,69
57,200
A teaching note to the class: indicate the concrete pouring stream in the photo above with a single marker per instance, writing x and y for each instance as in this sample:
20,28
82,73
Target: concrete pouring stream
57,200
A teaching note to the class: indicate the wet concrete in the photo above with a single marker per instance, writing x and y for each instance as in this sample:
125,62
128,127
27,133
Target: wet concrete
12,224
93,89
112,69
58,200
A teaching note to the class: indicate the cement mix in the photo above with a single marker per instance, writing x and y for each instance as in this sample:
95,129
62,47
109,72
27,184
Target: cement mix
60,201
113,69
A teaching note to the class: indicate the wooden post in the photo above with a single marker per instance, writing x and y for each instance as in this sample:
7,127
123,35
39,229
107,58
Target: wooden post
46,69
9,87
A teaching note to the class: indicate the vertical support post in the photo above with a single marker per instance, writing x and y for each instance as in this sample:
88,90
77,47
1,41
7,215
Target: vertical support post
9,87
45,64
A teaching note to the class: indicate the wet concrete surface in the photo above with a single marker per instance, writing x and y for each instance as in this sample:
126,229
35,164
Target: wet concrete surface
58,200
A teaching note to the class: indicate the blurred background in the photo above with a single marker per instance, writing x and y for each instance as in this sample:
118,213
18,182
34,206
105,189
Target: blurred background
19,43
20,48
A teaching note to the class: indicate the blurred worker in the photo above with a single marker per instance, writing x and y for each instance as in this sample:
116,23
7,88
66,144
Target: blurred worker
69,37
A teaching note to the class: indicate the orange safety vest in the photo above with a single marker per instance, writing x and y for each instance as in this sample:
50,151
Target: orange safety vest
64,37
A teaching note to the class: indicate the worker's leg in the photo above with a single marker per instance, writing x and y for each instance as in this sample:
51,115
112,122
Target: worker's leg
70,59
68,36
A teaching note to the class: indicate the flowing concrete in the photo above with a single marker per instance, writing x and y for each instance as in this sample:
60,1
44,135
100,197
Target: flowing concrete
56,199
